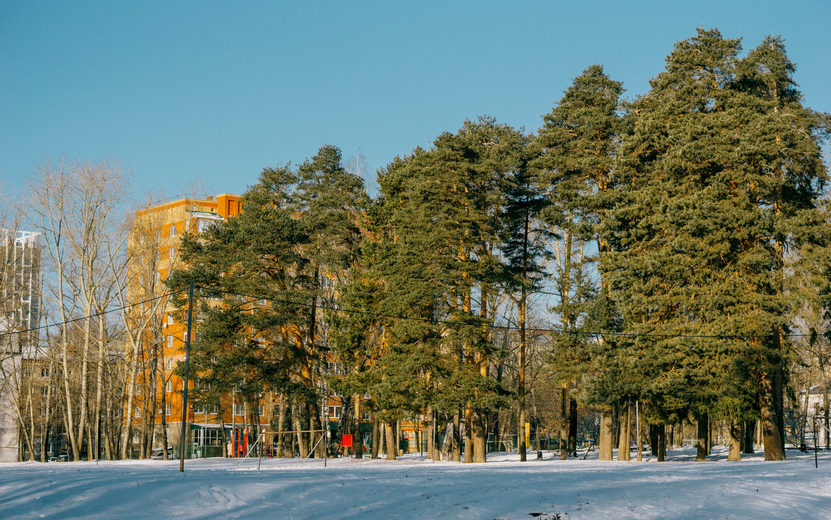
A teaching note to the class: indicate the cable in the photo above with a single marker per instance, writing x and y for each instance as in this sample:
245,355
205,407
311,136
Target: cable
94,315
324,305
500,327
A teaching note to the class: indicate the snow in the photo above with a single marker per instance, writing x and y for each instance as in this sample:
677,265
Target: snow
413,487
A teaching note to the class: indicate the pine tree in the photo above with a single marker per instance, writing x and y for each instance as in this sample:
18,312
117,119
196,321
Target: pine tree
787,159
443,218
572,165
693,260
524,246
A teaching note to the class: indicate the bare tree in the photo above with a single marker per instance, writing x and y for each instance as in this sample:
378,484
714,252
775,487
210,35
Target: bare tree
78,206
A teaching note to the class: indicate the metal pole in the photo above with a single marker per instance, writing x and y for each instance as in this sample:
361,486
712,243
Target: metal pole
183,440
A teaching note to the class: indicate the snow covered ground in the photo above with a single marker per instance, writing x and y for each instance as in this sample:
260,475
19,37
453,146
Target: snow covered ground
414,488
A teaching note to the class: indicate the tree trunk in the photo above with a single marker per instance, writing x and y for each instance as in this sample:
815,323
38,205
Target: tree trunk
521,448
126,447
623,440
357,442
662,442
375,439
108,434
604,443
150,416
382,438
281,426
314,410
82,414
67,393
703,432
165,440
431,437
735,431
564,422
391,442
468,436
572,426
770,428
479,441
749,431
298,428
653,439
99,384
456,437
827,413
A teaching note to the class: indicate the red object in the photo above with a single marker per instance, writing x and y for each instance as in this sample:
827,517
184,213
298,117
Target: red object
346,442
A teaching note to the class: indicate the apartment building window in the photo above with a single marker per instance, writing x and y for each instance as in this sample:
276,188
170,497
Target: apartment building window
137,413
44,372
172,252
334,412
173,230
239,409
170,342
202,225
170,319
167,409
168,387
261,410
169,363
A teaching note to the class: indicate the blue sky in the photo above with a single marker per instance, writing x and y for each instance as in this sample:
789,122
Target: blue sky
181,92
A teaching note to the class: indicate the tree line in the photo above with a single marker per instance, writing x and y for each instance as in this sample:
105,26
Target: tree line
684,235
668,252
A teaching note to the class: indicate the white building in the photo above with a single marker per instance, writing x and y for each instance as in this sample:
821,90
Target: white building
19,313
10,357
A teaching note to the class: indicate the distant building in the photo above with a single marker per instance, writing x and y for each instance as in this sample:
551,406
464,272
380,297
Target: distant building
816,412
156,239
19,314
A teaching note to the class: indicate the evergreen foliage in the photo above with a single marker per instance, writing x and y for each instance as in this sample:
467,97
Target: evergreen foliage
675,231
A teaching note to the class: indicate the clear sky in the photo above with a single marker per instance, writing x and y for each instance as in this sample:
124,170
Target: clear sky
214,91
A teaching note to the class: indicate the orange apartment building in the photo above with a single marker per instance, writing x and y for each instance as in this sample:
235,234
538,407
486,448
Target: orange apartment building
156,239
155,242
157,236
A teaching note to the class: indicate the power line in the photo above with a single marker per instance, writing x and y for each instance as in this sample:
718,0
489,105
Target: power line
93,315
338,308
324,305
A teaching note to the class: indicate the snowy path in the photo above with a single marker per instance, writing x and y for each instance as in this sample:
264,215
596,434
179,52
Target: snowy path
413,488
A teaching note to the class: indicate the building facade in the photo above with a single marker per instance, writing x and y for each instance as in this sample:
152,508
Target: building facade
157,407
19,314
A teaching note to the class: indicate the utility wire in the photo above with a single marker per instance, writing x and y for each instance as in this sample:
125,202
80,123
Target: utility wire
93,315
336,308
